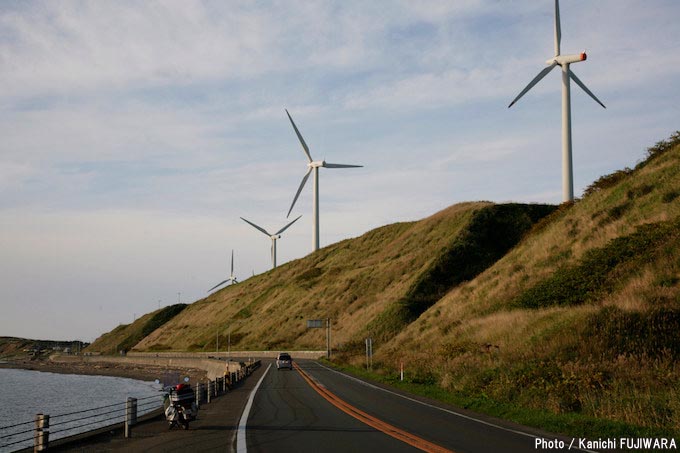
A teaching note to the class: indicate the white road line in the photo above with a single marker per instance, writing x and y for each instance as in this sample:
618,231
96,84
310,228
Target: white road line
457,414
241,432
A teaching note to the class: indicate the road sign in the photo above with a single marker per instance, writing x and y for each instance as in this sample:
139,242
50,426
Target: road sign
315,323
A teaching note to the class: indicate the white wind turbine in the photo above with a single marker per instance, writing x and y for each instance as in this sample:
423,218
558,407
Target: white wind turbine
231,278
313,165
563,61
273,237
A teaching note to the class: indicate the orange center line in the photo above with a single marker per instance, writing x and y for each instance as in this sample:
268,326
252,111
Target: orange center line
371,420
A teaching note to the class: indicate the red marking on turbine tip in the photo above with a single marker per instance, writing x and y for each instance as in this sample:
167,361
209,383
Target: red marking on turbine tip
583,56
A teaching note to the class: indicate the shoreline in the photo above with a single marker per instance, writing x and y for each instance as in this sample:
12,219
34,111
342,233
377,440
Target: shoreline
147,373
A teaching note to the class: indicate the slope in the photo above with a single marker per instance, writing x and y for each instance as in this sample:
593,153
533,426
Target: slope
581,317
125,336
378,282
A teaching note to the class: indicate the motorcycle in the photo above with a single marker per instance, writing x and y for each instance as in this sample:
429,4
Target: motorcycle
180,406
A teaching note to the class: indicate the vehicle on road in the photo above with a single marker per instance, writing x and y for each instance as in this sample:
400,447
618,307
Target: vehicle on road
284,360
180,406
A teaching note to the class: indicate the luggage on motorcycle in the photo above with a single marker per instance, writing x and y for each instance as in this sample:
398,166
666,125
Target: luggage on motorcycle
183,394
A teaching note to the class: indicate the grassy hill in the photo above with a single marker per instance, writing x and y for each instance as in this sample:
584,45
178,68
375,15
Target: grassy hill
555,316
125,336
582,317
377,283
19,348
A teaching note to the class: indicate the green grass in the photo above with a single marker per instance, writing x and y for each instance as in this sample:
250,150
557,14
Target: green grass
651,333
569,424
157,320
490,233
601,269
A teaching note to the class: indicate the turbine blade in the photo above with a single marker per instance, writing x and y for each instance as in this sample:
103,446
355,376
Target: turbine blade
255,226
584,88
302,140
327,165
219,284
232,263
286,227
302,184
533,82
558,29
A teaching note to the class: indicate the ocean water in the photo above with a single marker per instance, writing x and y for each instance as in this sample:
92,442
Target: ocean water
25,393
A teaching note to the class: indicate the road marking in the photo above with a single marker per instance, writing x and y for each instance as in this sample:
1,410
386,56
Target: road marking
457,414
370,420
241,432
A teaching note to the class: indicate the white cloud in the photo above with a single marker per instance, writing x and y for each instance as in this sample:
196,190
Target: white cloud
128,127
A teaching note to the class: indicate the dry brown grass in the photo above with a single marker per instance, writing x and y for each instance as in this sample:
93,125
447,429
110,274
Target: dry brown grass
474,340
547,358
352,282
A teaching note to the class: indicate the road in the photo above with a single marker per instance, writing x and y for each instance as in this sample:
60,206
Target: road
289,413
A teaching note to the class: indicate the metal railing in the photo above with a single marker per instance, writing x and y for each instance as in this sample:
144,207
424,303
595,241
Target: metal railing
38,433
45,427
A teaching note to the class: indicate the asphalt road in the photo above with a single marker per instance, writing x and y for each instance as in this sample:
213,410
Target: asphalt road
288,414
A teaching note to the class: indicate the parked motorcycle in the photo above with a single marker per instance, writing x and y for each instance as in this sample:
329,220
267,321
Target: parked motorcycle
180,406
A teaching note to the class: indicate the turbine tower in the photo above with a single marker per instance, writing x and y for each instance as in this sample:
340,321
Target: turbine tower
273,237
563,61
231,278
313,165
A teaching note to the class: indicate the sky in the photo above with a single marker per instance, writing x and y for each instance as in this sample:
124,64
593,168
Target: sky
133,135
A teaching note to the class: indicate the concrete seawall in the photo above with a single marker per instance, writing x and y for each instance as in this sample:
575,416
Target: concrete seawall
215,364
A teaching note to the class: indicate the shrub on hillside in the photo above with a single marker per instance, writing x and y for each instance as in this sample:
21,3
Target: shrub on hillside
656,332
607,181
490,234
654,152
157,320
595,274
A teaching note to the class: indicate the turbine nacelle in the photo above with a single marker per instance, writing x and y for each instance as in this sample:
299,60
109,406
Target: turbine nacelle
317,164
273,237
567,59
567,76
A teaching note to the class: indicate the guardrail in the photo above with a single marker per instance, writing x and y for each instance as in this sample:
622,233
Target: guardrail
46,427
41,431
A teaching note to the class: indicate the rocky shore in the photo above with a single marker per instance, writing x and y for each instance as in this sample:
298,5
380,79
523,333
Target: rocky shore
132,371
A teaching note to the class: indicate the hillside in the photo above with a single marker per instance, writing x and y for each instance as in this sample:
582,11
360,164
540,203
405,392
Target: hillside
125,336
583,316
571,310
379,282
13,348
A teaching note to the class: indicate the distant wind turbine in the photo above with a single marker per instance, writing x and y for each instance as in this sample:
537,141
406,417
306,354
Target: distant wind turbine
231,278
313,165
564,61
273,237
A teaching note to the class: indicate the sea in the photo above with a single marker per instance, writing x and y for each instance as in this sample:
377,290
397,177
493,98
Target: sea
74,402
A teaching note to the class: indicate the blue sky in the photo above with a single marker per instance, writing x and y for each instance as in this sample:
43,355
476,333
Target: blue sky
135,134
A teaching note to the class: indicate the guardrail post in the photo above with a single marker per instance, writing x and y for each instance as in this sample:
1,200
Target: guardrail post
130,415
42,432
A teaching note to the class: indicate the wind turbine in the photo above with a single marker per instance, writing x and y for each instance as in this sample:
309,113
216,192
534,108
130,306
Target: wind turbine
313,165
273,237
563,61
231,278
